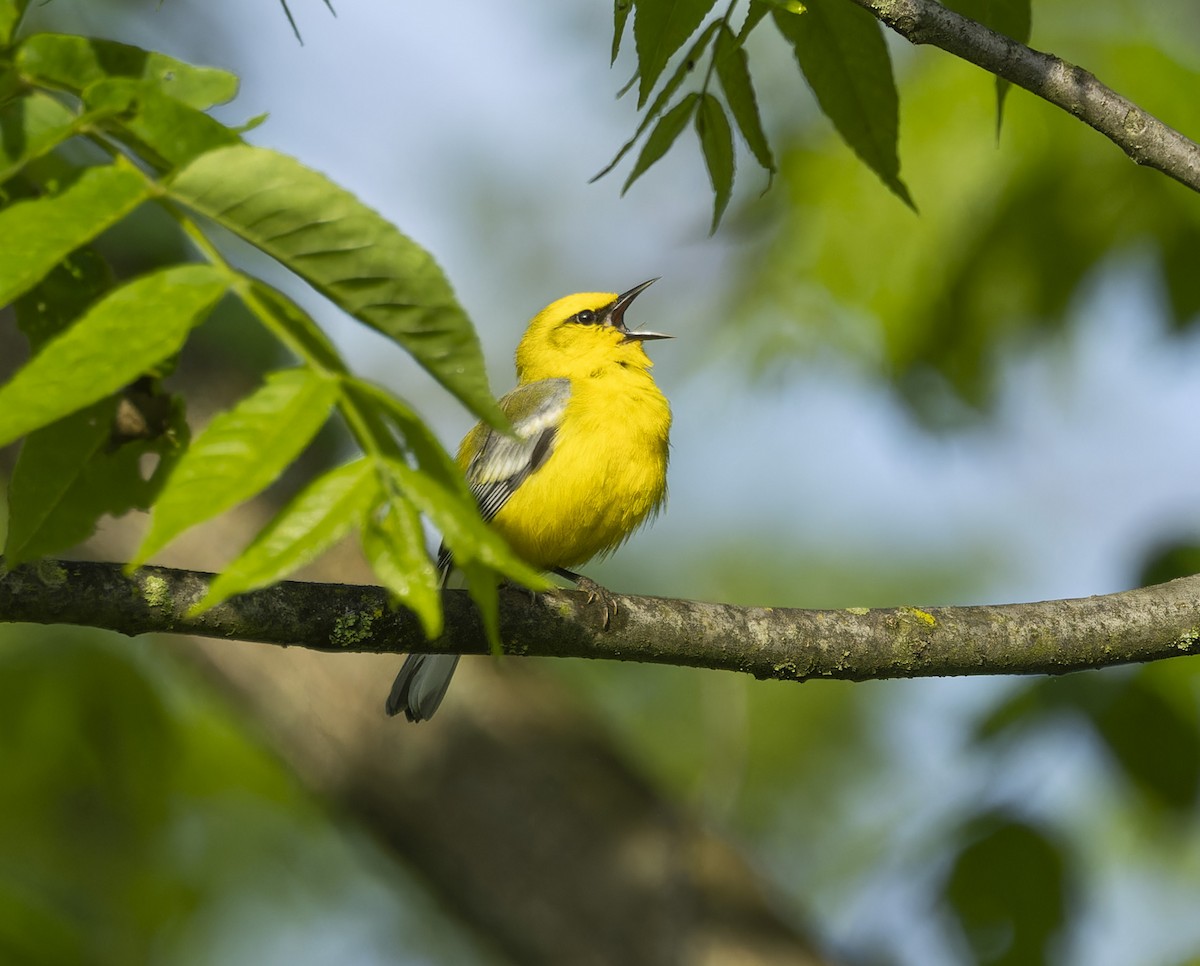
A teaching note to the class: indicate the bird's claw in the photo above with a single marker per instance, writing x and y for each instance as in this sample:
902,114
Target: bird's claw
597,593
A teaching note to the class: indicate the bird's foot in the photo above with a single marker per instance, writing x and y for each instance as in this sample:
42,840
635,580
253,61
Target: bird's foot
597,593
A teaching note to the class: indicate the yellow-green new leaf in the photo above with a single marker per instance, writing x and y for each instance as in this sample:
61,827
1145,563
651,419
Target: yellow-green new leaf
11,12
317,518
346,251
394,544
36,235
240,453
30,126
73,63
468,537
123,335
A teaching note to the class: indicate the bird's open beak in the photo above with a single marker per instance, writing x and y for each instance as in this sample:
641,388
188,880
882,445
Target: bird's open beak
616,315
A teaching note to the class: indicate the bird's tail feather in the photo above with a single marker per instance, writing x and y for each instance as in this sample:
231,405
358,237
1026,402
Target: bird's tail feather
421,685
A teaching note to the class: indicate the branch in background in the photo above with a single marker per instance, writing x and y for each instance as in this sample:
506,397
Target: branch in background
1141,135
857,644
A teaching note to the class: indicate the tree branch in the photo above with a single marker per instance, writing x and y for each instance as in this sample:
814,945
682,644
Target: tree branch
1049,637
1141,135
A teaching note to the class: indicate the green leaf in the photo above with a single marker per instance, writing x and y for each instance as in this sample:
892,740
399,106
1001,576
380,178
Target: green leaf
317,518
841,50
755,13
468,537
1013,18
73,472
1153,742
125,334
482,585
394,544
348,253
240,453
733,71
1011,889
30,125
419,440
62,296
621,11
659,29
686,66
296,327
166,131
716,143
11,12
36,235
665,132
51,462
75,63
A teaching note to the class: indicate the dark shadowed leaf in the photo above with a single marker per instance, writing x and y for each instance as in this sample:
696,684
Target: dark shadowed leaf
841,50
716,143
665,133
621,11
1010,888
734,73
659,30
686,66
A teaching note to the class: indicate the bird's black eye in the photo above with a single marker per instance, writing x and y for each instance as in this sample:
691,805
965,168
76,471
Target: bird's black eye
586,317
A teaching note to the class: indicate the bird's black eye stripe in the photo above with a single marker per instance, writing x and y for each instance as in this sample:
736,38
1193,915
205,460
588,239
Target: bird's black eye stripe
586,317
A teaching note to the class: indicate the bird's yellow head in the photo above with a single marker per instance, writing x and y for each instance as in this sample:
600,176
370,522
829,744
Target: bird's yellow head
582,334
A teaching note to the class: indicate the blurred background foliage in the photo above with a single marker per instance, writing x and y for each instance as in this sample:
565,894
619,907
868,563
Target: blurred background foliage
985,401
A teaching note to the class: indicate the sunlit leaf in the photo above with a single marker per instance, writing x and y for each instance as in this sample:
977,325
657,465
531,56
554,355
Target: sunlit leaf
30,125
11,12
317,518
659,30
74,63
347,252
167,131
665,133
240,453
36,235
125,334
841,50
716,143
394,544
463,530
734,73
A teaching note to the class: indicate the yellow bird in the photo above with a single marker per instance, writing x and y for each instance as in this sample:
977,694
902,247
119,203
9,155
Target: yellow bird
587,466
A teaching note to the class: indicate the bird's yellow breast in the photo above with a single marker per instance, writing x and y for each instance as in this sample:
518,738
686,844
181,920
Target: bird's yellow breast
605,477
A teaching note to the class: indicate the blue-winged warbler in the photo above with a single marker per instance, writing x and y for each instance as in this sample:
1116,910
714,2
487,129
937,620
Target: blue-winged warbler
587,464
